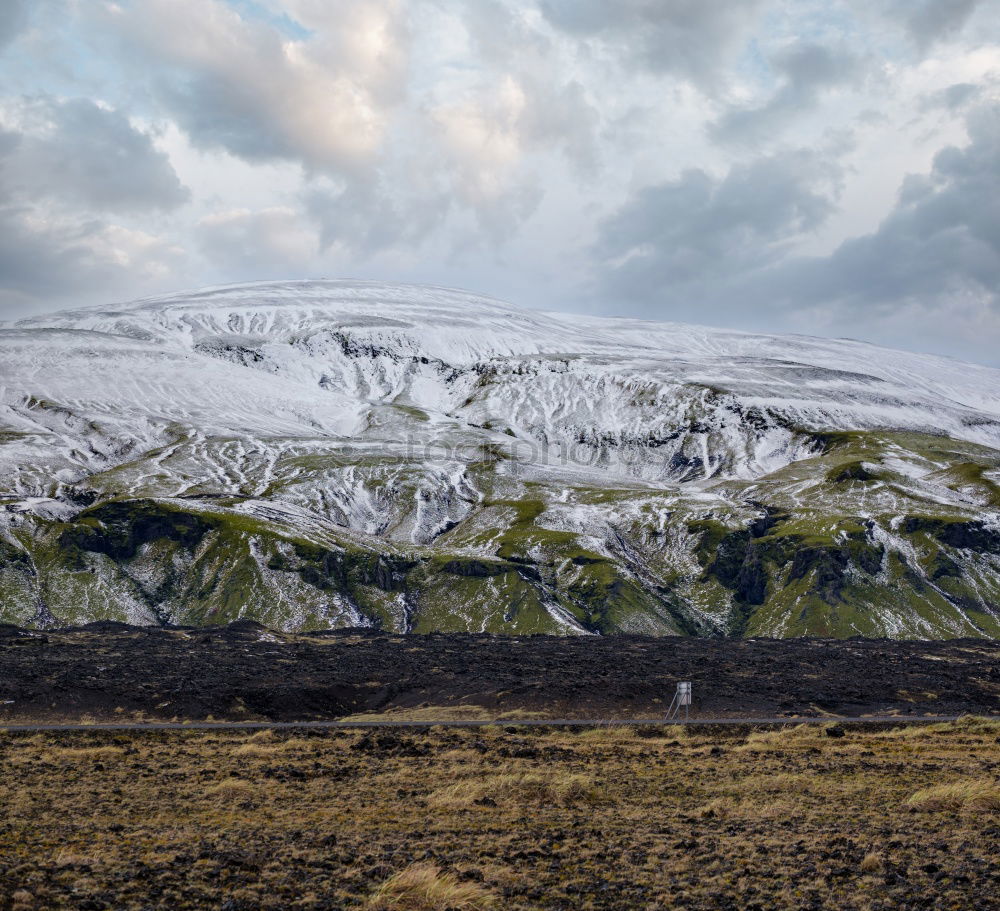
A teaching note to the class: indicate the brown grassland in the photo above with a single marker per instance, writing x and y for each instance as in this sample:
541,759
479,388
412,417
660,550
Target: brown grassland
503,818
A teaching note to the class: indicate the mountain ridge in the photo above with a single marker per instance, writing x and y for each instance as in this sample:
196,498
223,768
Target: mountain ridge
329,453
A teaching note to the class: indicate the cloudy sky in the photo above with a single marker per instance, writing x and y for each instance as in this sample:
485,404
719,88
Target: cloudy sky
821,166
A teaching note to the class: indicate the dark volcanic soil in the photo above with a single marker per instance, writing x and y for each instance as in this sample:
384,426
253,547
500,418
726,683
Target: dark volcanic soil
243,672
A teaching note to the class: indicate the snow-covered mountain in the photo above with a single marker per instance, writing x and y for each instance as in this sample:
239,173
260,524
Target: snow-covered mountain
347,453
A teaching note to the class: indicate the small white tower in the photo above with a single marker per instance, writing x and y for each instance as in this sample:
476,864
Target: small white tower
681,698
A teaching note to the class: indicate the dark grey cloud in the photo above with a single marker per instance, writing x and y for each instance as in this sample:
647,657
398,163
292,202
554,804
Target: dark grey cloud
47,260
38,262
690,38
67,166
940,243
924,22
953,98
807,70
366,217
930,21
682,242
219,113
90,157
9,141
13,20
719,250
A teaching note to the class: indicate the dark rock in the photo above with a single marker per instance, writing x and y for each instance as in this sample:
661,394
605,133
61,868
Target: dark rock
119,529
476,568
852,471
969,535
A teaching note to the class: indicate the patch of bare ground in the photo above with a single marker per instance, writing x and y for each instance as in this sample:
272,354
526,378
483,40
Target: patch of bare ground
502,818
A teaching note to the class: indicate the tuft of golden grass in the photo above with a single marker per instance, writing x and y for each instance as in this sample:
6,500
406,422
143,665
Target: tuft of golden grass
967,724
609,733
230,789
67,857
264,744
520,789
428,713
871,862
971,795
977,724
661,731
463,712
783,738
424,887
718,808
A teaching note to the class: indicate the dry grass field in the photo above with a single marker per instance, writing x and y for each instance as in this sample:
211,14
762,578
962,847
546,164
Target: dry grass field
503,818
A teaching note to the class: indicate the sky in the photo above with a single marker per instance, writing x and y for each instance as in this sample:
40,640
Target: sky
828,167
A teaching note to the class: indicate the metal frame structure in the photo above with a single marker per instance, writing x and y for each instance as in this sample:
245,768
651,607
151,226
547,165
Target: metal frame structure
681,698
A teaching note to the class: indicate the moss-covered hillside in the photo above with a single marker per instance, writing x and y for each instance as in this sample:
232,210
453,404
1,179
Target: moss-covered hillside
842,545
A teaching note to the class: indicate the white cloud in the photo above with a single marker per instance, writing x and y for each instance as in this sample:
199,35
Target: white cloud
483,141
245,87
